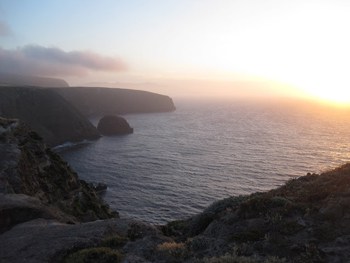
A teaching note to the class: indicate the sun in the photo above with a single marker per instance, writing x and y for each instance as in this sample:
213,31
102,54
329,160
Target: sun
338,93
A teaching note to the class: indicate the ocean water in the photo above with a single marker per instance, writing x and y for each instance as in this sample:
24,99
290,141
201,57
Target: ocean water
175,164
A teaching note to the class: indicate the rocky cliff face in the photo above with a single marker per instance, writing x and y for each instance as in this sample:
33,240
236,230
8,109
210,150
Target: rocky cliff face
38,183
109,101
47,113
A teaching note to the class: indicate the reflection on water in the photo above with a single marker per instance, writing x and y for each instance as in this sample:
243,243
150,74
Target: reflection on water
175,164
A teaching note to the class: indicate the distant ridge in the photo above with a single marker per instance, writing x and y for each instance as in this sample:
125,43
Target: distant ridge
103,101
47,113
7,79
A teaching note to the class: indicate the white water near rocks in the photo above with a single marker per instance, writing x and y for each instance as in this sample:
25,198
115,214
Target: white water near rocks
175,164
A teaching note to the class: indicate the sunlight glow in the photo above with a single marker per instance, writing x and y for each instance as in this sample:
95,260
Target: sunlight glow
302,44
290,44
334,93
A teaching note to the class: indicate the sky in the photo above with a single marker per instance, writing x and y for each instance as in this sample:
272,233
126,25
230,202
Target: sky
204,48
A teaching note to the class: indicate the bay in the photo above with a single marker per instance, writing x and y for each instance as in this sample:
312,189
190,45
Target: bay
177,163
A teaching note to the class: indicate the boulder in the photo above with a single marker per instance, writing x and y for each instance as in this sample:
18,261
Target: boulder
18,208
114,125
44,240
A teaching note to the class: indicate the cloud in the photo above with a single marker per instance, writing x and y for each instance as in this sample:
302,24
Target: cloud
44,61
5,30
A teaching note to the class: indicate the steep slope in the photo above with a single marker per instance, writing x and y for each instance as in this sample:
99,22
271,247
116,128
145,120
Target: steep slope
107,101
7,79
36,182
47,113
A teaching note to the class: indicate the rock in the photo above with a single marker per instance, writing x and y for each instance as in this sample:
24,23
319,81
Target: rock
100,188
28,166
43,240
19,208
114,125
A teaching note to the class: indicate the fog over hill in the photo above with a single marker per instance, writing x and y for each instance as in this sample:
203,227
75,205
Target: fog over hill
47,113
7,79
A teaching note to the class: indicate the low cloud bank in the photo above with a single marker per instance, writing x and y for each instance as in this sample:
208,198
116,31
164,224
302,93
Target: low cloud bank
52,61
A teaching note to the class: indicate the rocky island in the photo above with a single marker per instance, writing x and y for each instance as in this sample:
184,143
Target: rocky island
114,125
49,215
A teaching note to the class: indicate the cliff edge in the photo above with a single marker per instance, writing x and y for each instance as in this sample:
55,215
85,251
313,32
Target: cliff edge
111,101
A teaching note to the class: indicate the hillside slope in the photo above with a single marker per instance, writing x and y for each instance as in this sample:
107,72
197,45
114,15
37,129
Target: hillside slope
47,113
305,220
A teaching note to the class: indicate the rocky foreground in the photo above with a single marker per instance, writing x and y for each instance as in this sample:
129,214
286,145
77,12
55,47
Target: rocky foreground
48,215
36,183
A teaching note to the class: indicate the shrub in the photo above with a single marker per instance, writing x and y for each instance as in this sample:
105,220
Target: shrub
234,258
114,241
172,249
174,228
92,255
200,222
250,234
230,258
198,243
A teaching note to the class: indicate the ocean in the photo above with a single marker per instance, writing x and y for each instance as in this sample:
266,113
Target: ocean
177,163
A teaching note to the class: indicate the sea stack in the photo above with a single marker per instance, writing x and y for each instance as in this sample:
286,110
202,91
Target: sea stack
114,125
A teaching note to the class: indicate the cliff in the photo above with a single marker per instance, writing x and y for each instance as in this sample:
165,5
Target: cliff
110,101
7,79
36,183
47,113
